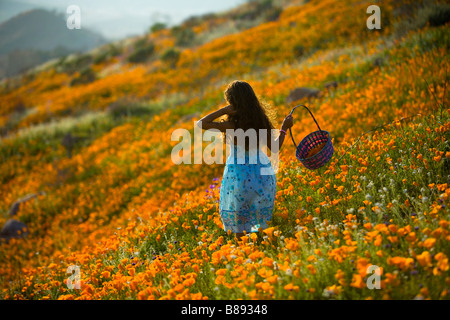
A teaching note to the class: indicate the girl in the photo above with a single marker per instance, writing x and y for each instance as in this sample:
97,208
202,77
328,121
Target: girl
246,196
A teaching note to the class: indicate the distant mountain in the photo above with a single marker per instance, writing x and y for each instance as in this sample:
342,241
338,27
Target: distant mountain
11,8
40,35
44,30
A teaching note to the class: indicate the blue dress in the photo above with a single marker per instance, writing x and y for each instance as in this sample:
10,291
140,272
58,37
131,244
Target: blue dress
247,193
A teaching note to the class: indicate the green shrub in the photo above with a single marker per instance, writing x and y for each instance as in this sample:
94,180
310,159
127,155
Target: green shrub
79,62
299,50
255,9
171,56
157,27
184,36
439,16
112,51
87,75
130,107
143,50
432,14
273,14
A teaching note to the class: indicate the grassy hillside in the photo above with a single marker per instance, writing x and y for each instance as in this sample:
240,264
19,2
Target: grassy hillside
93,133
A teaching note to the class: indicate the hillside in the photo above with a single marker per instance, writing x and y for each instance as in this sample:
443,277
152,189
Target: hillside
92,134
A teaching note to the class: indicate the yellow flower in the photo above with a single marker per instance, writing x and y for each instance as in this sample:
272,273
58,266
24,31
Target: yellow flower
401,262
179,287
291,287
269,232
268,262
52,266
189,282
424,259
272,279
357,282
442,264
429,243
334,289
221,272
311,268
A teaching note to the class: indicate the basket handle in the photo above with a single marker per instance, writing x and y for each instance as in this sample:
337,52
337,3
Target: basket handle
290,131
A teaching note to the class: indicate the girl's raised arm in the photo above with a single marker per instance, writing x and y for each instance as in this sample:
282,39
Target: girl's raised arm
208,122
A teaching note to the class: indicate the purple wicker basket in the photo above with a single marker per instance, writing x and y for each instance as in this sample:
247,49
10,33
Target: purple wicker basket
311,141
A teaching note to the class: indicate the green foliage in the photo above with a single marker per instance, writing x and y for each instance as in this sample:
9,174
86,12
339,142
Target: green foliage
143,50
198,20
71,65
256,9
131,107
273,14
299,50
111,51
87,75
439,15
171,56
158,26
433,14
184,36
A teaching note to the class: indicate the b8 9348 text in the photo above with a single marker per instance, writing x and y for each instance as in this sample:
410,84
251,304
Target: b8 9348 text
246,309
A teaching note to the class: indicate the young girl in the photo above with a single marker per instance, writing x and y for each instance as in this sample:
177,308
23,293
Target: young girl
247,195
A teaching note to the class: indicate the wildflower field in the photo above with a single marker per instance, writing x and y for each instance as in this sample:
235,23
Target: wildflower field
111,202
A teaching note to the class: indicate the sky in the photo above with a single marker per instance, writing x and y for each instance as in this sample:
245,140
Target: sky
116,19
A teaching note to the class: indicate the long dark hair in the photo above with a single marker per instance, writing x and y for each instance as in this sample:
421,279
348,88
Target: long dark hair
251,113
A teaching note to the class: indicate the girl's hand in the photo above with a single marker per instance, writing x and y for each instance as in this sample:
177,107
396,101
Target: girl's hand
288,122
229,110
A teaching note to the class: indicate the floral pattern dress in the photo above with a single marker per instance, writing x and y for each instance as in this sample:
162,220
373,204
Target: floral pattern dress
248,190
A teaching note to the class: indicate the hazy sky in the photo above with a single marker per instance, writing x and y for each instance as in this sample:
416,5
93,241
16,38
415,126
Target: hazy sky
120,18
